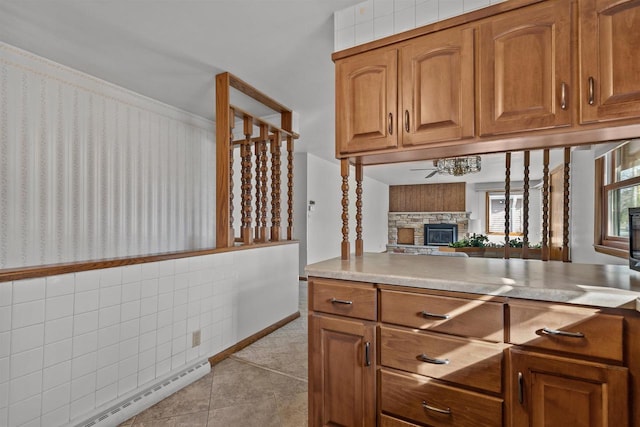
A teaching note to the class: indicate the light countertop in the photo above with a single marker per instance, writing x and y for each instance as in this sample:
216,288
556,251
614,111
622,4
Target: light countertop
586,284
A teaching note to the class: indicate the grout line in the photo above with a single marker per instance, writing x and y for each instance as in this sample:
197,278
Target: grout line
236,358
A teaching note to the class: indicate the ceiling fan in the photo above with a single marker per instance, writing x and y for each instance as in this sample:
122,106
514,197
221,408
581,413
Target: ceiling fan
434,170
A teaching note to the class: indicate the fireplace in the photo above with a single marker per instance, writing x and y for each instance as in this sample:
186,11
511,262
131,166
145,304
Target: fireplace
440,234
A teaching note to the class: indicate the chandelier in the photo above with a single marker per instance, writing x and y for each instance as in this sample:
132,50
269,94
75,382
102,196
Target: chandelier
458,166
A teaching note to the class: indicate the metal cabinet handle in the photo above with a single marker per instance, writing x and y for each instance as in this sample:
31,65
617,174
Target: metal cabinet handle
592,91
390,123
340,301
559,333
563,95
424,358
520,388
446,411
407,127
367,354
426,314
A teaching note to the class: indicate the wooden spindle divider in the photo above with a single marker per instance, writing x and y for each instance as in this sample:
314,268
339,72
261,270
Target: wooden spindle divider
545,206
270,139
258,172
525,206
289,187
275,186
246,232
344,173
507,203
263,189
359,242
565,213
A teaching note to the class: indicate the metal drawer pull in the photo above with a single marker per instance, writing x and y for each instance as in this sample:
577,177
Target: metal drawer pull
407,126
520,388
390,124
563,95
426,314
340,301
592,97
367,354
446,411
424,358
559,333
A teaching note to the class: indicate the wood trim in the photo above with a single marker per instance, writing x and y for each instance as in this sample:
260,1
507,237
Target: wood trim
11,274
608,250
545,206
565,211
359,242
438,26
219,357
525,206
224,234
344,173
254,93
507,202
242,114
598,214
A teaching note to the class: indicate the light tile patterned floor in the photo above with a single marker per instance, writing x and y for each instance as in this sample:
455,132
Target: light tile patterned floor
263,385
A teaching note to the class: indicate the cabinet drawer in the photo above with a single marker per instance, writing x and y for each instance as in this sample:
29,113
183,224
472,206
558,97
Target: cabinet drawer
431,402
457,316
387,421
458,360
590,333
344,298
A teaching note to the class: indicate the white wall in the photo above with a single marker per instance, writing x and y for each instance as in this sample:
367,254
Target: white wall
300,207
74,345
324,223
89,170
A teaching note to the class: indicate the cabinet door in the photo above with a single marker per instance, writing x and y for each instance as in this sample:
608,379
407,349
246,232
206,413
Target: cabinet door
436,81
366,102
609,59
547,390
524,66
342,380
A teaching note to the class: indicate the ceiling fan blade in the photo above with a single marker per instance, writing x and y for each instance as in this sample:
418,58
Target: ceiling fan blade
425,169
431,174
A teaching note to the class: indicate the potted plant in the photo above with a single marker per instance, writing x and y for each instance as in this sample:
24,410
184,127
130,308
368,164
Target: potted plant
473,245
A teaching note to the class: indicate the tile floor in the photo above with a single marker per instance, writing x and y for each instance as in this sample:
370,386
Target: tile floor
263,385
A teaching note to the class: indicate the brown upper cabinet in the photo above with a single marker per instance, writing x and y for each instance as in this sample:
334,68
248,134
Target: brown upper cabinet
366,101
507,77
609,60
434,80
524,69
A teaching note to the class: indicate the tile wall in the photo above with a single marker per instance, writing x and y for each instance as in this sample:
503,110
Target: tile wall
75,344
376,19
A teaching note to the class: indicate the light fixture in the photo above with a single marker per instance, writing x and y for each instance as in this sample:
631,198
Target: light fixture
458,166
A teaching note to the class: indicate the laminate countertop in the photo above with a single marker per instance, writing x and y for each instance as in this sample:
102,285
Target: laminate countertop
608,286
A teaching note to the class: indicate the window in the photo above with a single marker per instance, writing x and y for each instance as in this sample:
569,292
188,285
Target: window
617,190
496,210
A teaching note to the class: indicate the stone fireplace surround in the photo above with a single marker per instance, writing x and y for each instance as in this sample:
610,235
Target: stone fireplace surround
416,221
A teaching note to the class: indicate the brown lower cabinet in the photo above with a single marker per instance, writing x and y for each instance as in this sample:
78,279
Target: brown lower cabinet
386,356
342,380
548,390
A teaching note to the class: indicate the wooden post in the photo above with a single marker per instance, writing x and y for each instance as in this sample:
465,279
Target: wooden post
245,150
545,206
275,187
224,120
289,187
525,206
359,243
263,188
565,214
258,153
344,172
507,203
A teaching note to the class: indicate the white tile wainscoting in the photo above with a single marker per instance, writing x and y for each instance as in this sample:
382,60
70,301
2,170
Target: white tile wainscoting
76,344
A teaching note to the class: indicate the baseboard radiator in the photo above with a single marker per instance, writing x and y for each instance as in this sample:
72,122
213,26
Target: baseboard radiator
116,415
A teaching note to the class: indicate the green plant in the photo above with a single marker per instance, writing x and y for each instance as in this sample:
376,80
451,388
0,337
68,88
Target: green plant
473,241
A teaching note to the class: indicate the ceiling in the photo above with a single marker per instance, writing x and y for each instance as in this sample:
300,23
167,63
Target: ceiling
171,50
